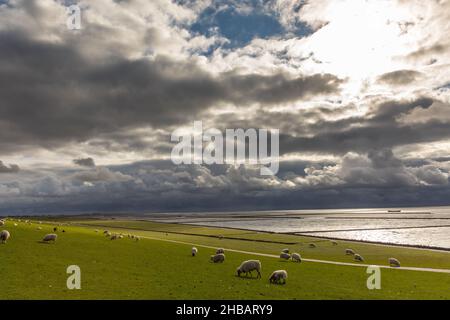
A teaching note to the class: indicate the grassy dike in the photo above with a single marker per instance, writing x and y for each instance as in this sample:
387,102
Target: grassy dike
158,269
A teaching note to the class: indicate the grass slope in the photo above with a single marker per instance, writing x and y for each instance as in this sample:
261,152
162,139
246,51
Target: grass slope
153,269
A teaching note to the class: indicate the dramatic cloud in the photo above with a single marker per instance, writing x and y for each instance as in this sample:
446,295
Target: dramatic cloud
13,168
359,91
84,162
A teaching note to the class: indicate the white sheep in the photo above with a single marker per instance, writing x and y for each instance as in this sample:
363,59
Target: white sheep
50,237
136,238
278,276
285,250
4,236
220,250
218,258
2,223
296,257
358,258
394,262
249,266
286,256
312,245
349,252
194,251
15,224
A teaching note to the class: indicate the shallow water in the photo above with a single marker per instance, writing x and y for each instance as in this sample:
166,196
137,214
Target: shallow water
427,226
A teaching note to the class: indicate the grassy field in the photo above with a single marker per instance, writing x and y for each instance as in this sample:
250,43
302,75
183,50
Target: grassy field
158,269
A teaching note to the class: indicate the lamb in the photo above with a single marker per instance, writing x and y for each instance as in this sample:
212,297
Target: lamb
394,262
50,237
296,257
312,245
286,256
349,252
358,258
249,266
218,258
285,250
278,276
4,236
194,251
220,250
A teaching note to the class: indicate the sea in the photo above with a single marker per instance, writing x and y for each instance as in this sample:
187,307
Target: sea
413,226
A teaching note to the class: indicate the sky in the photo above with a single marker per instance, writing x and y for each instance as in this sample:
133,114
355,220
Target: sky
360,91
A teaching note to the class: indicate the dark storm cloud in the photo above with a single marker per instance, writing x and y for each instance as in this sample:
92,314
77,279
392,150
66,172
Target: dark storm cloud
378,130
400,77
12,168
84,162
52,95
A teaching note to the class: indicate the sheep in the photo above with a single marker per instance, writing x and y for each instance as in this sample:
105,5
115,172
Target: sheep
285,250
194,251
218,258
249,266
278,276
50,237
394,262
358,258
136,238
312,245
108,234
286,256
2,223
334,243
114,237
349,252
296,257
121,237
105,232
4,236
220,250
15,224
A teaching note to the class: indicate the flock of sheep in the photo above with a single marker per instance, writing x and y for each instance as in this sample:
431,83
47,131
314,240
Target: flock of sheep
246,267
5,234
278,276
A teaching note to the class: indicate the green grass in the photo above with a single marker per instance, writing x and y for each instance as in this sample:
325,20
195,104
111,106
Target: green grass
153,269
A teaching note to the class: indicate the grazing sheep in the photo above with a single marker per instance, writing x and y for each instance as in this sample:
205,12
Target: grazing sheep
394,262
50,237
286,256
114,237
220,250
105,232
296,257
2,223
334,243
249,266
285,250
4,236
136,238
312,245
15,224
194,251
278,276
121,237
349,252
358,258
108,234
218,258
